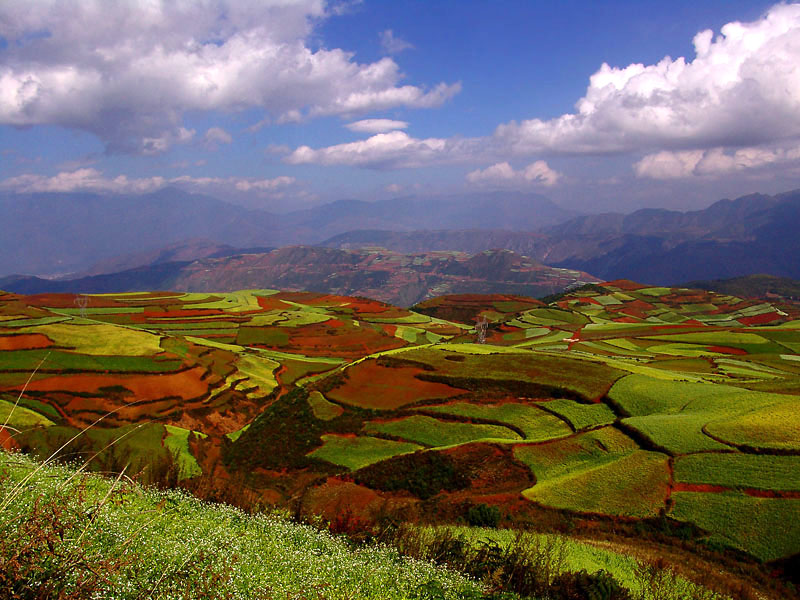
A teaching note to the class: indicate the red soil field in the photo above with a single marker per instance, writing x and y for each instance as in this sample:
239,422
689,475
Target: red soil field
490,468
726,350
25,341
194,312
370,385
718,489
272,303
760,319
320,339
184,384
626,320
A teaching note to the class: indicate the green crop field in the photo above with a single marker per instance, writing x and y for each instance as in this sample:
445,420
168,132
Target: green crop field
20,417
546,372
359,451
771,426
58,360
436,432
767,528
680,433
738,470
581,416
534,423
633,485
101,339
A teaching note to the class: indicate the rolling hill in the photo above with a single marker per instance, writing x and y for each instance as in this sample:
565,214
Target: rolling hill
403,279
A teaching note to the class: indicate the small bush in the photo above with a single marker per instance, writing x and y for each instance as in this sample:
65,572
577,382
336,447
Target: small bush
483,515
588,586
38,560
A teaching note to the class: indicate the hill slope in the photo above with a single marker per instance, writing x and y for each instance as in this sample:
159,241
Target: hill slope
402,279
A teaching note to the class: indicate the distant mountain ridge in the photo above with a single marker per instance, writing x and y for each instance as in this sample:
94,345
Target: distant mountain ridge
52,234
752,234
402,279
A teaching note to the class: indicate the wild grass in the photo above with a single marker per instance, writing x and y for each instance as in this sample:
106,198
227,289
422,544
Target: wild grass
69,534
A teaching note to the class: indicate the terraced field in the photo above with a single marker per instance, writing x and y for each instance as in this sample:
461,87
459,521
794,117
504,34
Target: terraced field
611,403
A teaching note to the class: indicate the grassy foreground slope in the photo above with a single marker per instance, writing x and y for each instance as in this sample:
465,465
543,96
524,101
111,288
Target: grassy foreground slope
70,535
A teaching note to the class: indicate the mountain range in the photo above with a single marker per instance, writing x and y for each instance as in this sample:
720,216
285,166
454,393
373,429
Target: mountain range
148,241
752,234
68,233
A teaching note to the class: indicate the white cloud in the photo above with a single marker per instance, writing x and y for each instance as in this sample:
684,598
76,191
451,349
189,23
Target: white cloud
157,145
713,162
376,125
130,81
536,173
92,180
81,180
216,136
392,44
395,149
394,188
741,89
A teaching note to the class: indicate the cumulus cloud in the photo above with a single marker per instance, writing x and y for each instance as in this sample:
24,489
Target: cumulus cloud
392,44
538,173
81,180
92,180
713,162
395,149
216,136
741,89
130,81
376,125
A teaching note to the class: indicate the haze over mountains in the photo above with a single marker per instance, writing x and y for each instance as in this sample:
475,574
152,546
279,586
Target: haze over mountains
150,241
49,234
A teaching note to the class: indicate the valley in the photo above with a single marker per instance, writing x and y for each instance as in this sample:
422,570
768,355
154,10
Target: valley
601,411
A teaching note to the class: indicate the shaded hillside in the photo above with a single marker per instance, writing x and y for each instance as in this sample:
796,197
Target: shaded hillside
403,279
469,308
754,286
753,234
178,252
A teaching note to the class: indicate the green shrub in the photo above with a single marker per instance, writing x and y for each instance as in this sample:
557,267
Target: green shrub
483,515
588,586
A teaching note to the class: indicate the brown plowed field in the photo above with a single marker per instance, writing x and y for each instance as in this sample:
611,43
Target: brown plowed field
184,384
370,385
25,341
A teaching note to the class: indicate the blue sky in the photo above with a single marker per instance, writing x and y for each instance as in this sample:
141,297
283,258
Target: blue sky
287,104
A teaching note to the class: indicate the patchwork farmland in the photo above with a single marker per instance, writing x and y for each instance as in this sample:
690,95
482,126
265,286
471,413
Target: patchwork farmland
609,406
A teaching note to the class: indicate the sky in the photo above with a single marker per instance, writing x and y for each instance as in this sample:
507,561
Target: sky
288,104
